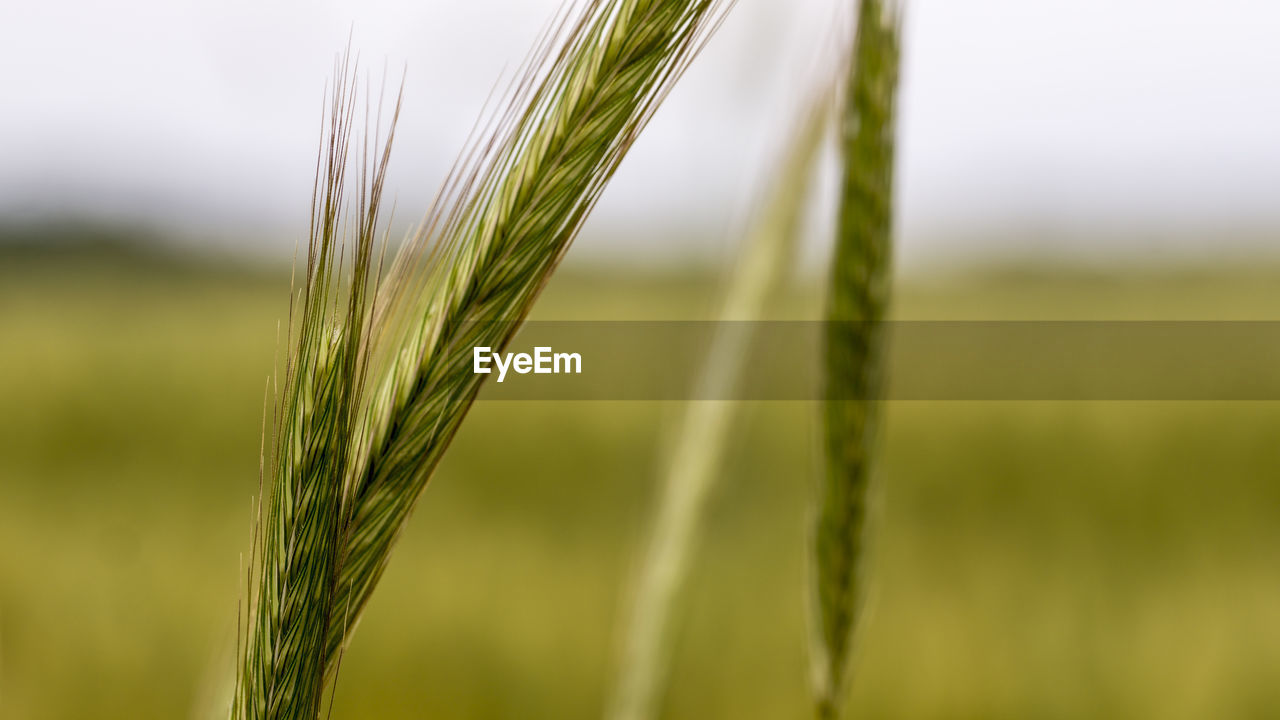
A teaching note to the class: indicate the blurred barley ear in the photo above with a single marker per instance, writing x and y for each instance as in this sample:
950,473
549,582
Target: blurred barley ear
855,338
704,428
379,378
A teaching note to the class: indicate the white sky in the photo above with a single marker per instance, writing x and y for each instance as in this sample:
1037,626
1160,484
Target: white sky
1027,124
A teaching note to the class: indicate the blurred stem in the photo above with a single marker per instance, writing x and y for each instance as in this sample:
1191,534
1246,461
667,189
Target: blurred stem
706,423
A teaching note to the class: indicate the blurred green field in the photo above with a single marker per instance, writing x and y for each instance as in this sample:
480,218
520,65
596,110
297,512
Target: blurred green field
1037,560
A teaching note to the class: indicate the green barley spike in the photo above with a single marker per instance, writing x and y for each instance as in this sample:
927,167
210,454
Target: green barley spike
377,380
472,275
855,339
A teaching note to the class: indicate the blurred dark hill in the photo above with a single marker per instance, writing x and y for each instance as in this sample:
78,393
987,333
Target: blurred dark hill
71,241
75,248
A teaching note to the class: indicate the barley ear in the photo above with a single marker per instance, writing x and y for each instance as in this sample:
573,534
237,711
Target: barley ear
505,220
855,338
379,378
